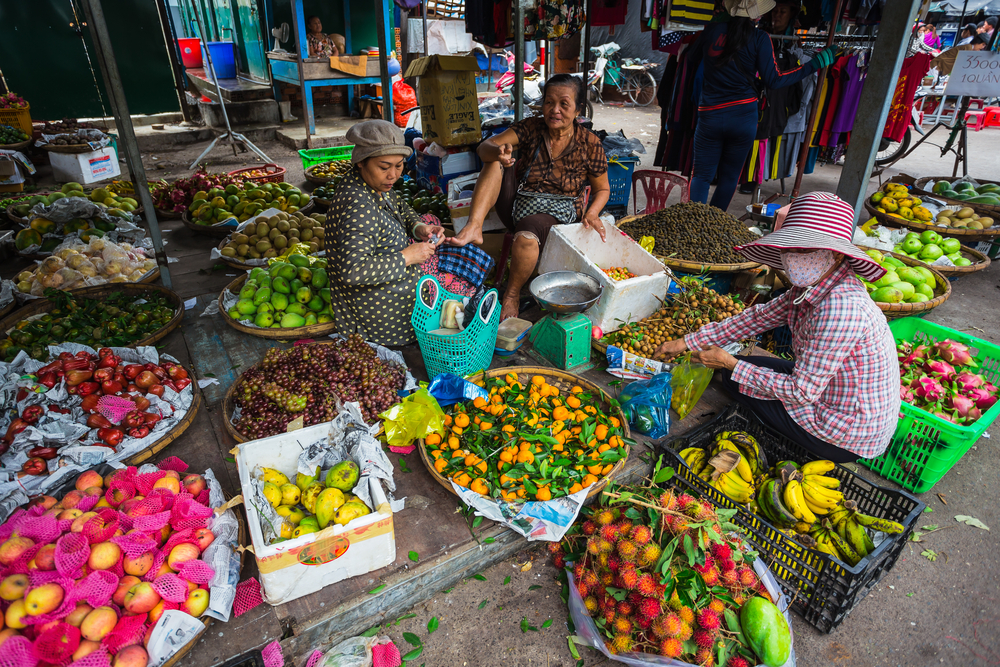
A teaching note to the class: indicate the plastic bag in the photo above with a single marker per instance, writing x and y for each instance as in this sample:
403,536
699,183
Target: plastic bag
447,388
353,652
618,145
688,383
404,98
647,405
417,416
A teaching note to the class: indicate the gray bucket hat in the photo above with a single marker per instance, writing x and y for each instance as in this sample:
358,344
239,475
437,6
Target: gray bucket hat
372,138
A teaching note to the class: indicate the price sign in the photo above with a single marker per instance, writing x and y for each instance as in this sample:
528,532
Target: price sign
976,74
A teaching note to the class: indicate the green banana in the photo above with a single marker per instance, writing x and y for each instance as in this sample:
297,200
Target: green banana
848,554
883,525
855,537
777,505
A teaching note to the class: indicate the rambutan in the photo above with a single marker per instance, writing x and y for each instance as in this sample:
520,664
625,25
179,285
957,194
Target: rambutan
649,608
739,599
627,550
708,620
678,525
729,579
634,599
554,548
622,626
710,577
693,509
674,602
684,499
607,578
667,500
704,657
641,535
604,517
649,555
609,532
559,561
624,608
747,577
590,579
704,638
722,551
589,527
686,614
621,644
671,648
614,563
624,527
646,585
726,564
717,605
594,545
582,589
737,661
607,603
590,602
629,577
578,570
644,623
602,560
668,625
686,632
609,616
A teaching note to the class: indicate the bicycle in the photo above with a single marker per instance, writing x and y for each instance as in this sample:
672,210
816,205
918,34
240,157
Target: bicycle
632,79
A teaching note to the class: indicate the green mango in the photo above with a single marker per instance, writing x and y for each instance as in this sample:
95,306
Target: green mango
264,320
295,285
927,290
911,276
256,274
265,308
303,295
315,304
273,270
962,261
54,197
950,245
234,314
343,476
887,294
279,300
249,289
246,307
299,260
292,321
324,318
305,275
288,272
296,308
889,278
766,630
326,295
310,319
279,284
319,279
905,288
262,295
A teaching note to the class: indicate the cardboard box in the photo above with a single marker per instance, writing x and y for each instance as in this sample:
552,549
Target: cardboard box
304,565
449,103
461,162
85,167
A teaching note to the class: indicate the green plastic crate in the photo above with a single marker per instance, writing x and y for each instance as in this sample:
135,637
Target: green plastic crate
313,156
924,447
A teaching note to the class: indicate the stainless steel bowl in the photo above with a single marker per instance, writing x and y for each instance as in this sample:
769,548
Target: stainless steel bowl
565,291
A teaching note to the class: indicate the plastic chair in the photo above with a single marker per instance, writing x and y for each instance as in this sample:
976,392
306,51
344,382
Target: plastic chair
992,116
978,119
657,186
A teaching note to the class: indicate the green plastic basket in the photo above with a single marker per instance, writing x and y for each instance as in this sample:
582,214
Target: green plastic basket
924,447
313,156
461,353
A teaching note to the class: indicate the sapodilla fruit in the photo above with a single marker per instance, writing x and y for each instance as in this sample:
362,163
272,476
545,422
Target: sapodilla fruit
14,587
104,555
141,598
13,548
44,599
182,553
131,656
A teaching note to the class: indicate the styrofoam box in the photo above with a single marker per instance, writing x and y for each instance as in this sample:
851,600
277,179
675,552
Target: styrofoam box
576,248
85,167
304,565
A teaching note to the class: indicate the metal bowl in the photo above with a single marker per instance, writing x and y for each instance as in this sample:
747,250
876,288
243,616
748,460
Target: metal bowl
565,291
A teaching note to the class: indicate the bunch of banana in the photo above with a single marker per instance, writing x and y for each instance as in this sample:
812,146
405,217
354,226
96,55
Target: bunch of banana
737,483
748,448
844,530
772,505
697,460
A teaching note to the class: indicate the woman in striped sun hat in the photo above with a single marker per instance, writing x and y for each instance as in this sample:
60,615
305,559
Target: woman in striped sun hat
840,397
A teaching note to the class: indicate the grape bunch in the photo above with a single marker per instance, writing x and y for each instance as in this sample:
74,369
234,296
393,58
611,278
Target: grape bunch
309,381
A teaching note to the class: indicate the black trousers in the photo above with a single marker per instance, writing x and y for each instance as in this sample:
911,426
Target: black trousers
773,413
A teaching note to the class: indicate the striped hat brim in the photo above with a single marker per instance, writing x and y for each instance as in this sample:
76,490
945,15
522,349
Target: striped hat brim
768,250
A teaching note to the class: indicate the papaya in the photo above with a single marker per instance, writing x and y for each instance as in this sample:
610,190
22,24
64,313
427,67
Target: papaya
45,226
765,628
27,238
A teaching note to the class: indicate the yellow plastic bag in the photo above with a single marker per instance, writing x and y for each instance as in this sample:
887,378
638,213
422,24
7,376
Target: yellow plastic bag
416,416
688,383
647,243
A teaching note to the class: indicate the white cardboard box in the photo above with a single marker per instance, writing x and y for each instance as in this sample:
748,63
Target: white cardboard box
304,565
85,167
575,248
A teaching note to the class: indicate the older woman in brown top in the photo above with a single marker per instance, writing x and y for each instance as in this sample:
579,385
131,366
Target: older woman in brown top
557,160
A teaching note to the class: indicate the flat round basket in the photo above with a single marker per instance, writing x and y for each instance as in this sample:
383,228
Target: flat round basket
688,266
182,425
942,291
18,146
321,204
71,148
919,187
39,306
207,230
564,382
978,259
296,333
151,277
962,234
275,174
167,215
318,180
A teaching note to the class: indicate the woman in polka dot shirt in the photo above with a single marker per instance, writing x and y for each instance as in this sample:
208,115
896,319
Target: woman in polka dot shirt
373,267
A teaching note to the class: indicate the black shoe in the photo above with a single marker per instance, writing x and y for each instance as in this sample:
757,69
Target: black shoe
747,189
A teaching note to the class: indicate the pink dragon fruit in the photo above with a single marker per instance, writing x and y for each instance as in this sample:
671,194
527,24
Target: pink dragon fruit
984,399
955,353
963,406
991,388
939,369
917,354
966,381
945,416
929,389
906,394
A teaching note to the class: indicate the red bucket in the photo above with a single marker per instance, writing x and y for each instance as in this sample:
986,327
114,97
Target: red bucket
190,51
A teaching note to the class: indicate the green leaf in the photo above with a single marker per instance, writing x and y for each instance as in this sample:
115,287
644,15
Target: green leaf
689,550
618,594
412,639
489,540
524,624
633,513
929,555
414,556
370,632
377,590
928,509
572,647
533,588
506,580
484,603
432,625
402,465
933,526
915,536
475,522
664,475
971,521
547,623
414,654
479,577
404,617
231,459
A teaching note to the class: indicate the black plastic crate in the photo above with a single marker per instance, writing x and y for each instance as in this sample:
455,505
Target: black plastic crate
823,589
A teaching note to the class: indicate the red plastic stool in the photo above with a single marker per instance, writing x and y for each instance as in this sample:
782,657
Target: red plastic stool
992,117
657,186
978,119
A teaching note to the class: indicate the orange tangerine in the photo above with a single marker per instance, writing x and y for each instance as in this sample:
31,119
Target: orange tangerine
476,420
560,413
462,479
557,447
485,426
589,480
573,401
454,442
576,487
479,486
607,469
432,439
595,469
616,441
603,448
590,409
615,422
538,381
447,420
543,493
461,420
440,465
479,402
579,415
525,456
576,390
436,453
601,432
458,453
496,400
457,430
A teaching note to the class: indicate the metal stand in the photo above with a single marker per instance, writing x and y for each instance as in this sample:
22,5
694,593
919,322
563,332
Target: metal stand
233,137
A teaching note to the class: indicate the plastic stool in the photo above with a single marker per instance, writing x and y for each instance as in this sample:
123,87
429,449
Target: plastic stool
978,119
657,186
992,117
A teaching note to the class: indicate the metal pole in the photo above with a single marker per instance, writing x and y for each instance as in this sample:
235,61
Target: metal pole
806,140
424,16
876,97
586,45
961,23
119,107
302,46
175,66
518,90
383,60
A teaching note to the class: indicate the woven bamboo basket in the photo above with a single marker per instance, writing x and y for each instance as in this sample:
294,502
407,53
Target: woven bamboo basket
149,279
8,309
40,306
920,190
21,145
167,215
71,148
15,218
236,263
296,333
207,230
321,204
961,234
978,259
311,176
161,444
689,266
942,291
564,382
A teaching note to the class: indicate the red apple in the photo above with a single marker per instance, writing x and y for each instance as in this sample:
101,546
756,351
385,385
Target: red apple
196,603
125,583
194,484
141,598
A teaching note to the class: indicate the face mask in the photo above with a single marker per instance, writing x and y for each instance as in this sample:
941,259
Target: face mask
805,269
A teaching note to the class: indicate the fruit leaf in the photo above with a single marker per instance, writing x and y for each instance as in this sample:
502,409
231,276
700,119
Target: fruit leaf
929,555
534,588
479,577
414,654
618,594
524,624
692,556
402,465
404,617
633,513
928,510
664,475
432,625
547,623
475,522
933,526
572,647
915,536
370,632
414,556
506,580
971,521
732,622
377,590
489,540
484,603
412,639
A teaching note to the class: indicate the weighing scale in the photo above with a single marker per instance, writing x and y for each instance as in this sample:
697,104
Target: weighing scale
562,338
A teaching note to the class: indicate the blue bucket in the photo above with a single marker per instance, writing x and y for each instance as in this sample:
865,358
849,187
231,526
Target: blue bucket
223,59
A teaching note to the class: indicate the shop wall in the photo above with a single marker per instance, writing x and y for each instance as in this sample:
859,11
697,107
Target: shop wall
634,42
364,32
43,59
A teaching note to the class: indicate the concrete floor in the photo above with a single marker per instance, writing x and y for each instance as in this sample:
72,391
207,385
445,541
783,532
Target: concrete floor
923,613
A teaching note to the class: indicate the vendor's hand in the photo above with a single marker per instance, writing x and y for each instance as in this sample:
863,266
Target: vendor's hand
593,221
506,157
671,348
715,357
418,253
425,231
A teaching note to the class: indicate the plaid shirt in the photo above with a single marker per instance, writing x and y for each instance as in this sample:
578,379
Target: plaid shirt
845,386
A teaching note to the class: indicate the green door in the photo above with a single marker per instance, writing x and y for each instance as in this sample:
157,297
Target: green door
251,40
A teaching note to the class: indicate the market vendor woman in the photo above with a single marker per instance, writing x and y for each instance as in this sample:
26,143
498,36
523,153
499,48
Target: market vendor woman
840,397
558,159
373,267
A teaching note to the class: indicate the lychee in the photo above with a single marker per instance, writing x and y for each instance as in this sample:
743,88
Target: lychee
708,620
621,644
604,517
722,551
711,577
686,632
649,608
624,608
686,614
590,602
737,661
627,550
649,555
704,639
671,648
747,577
668,625
667,500
717,605
641,535
628,577
622,626
646,585
704,657
589,527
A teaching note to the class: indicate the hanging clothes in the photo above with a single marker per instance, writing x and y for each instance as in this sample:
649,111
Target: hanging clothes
913,70
608,12
852,79
555,19
489,21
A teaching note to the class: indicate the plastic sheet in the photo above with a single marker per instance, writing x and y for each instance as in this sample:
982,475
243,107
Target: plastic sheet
688,383
416,416
448,389
353,652
647,405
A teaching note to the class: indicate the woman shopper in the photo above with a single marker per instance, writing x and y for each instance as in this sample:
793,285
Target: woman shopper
840,397
733,52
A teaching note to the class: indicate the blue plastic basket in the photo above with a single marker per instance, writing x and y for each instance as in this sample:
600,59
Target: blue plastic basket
620,178
461,353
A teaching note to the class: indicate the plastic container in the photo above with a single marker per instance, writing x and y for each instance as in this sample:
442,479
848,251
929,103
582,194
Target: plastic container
620,178
190,51
511,334
17,118
313,156
926,447
223,59
574,248
823,589
460,353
